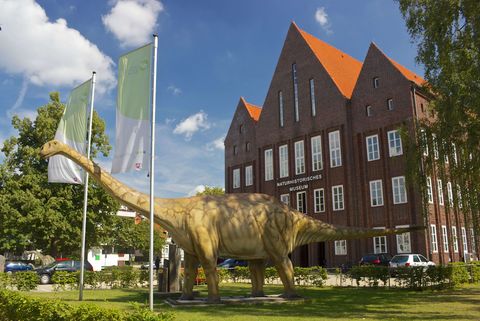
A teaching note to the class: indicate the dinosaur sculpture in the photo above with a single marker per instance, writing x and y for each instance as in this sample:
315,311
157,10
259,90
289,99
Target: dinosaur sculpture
253,227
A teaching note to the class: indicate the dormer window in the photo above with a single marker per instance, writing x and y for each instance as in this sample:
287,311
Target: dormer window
376,82
368,111
390,104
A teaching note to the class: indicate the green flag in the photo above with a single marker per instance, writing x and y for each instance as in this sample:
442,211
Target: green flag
132,137
72,130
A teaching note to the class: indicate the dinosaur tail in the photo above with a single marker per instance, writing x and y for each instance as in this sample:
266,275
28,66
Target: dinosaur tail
312,230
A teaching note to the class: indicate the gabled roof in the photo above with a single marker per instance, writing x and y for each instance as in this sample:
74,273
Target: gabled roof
410,75
342,68
253,111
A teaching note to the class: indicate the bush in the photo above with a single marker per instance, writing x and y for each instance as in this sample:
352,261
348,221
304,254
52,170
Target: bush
6,280
271,274
459,273
14,306
26,281
370,274
92,279
63,279
474,270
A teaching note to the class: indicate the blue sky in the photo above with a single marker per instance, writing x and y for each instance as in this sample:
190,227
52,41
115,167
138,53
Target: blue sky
210,53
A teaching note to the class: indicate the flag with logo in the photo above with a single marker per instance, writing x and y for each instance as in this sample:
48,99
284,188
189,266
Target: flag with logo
132,137
72,130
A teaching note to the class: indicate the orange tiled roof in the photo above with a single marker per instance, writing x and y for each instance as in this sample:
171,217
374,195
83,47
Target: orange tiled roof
253,110
342,68
410,75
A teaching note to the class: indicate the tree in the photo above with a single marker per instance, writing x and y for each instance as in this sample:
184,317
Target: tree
211,190
129,236
35,214
447,33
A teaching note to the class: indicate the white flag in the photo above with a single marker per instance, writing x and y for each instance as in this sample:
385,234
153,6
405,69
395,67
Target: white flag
132,137
72,130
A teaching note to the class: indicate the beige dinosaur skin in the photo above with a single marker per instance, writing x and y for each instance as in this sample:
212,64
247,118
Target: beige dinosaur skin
253,227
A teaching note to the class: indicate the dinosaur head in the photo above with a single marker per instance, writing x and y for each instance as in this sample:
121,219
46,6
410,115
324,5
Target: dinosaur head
51,148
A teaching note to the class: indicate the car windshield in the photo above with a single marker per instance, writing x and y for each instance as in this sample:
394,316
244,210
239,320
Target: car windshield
400,259
53,264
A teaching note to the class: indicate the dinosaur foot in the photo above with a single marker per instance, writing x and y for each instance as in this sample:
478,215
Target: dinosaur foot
257,294
186,297
291,295
214,299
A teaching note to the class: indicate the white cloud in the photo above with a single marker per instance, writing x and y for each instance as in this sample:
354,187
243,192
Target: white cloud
192,124
174,90
21,96
321,17
46,52
216,144
132,22
197,189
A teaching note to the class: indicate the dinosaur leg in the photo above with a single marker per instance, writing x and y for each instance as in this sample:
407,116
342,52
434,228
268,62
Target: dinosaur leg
207,254
257,272
190,273
285,271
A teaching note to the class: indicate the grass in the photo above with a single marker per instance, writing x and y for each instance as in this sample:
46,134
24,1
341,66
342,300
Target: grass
328,303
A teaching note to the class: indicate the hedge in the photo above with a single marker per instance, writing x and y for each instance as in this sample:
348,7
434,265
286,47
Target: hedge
15,306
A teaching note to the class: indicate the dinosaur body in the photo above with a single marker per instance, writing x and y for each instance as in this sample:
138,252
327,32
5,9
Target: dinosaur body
253,227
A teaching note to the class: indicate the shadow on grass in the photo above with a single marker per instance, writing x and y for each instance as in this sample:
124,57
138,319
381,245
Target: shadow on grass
349,303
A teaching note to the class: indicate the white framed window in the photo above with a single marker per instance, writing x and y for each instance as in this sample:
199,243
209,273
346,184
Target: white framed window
295,91
390,104
450,193
236,178
341,247
285,199
299,158
319,200
373,150
403,241
376,193
283,160
440,192
302,202
280,108
423,136
317,162
464,240
454,150
337,198
369,111
472,236
268,164
445,238
394,143
376,82
435,146
429,190
433,234
312,97
249,175
459,196
379,243
335,149
455,239
398,190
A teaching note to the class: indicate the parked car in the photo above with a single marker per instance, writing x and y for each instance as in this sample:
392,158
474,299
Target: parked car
11,267
376,259
48,271
232,263
410,260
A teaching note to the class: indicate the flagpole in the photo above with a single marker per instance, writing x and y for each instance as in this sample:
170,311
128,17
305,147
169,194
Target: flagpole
152,167
85,194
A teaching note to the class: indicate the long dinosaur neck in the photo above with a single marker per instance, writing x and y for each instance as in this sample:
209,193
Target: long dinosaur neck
124,194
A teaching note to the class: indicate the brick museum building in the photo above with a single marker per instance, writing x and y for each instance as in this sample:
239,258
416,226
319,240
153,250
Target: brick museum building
327,142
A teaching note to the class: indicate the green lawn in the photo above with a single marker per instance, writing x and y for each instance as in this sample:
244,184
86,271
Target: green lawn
326,304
